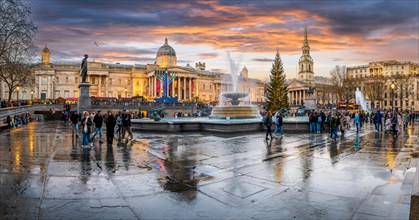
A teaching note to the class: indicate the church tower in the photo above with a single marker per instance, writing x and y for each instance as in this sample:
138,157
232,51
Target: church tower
244,73
46,55
305,63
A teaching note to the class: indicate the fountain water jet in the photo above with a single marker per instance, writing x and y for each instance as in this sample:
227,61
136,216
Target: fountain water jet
361,100
237,109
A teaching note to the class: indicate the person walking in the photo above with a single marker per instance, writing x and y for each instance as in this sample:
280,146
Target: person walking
267,121
313,122
319,123
379,121
356,121
110,127
74,118
87,129
119,123
334,124
278,124
126,124
98,120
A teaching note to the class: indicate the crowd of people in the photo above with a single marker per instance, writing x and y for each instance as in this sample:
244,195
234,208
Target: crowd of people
18,120
91,125
339,121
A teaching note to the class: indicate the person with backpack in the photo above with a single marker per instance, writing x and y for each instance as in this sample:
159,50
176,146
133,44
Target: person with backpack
278,124
267,121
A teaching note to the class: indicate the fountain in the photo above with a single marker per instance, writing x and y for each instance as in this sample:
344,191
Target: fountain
238,109
361,100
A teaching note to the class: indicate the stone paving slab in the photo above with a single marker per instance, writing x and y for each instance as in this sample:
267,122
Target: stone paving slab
46,175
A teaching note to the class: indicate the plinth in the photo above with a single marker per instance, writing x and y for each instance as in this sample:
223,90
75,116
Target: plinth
310,103
84,103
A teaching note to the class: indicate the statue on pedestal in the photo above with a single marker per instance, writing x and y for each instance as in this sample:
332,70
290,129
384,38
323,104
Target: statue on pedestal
84,68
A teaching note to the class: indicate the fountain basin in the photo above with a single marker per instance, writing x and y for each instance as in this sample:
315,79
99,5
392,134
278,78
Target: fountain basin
234,112
291,125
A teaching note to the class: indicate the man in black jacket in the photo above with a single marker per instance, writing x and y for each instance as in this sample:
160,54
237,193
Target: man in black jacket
110,127
98,121
74,118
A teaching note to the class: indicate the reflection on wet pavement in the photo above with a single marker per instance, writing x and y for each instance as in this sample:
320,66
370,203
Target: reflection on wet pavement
45,174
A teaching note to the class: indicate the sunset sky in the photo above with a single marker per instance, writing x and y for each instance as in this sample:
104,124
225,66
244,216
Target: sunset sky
128,31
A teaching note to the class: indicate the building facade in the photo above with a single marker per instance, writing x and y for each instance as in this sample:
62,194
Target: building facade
388,84
54,80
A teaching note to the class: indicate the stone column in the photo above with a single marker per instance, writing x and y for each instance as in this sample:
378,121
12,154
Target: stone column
178,89
38,94
173,88
197,87
100,84
184,88
155,86
190,88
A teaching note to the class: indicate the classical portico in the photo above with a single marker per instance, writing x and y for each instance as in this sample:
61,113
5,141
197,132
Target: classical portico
184,87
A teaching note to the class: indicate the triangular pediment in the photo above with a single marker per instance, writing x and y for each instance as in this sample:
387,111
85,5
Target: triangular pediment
296,84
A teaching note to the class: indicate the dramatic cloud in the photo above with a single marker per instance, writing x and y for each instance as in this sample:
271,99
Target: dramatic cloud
127,30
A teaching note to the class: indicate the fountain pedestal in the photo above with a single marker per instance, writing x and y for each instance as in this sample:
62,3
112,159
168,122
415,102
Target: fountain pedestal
310,103
84,103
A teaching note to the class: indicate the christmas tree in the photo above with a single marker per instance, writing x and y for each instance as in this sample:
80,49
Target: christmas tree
277,89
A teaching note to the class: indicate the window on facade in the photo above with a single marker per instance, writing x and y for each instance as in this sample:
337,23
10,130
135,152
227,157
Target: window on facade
309,67
385,95
93,80
385,102
66,80
402,67
120,81
302,76
66,94
110,81
395,103
57,80
302,67
76,80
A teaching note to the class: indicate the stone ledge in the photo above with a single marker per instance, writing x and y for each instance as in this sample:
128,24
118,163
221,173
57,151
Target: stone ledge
414,203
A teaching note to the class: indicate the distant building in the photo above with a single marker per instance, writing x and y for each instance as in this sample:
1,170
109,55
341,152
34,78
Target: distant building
54,80
389,71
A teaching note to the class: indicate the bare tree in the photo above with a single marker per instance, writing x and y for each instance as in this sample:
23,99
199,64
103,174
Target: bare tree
337,78
404,88
374,88
15,72
343,85
16,43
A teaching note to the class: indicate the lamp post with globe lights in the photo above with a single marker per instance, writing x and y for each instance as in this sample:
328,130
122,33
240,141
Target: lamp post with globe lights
392,86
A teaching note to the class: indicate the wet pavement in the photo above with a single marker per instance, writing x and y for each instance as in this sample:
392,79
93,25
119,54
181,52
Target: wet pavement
44,174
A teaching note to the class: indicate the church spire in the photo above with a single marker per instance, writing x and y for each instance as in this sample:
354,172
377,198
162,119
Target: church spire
306,47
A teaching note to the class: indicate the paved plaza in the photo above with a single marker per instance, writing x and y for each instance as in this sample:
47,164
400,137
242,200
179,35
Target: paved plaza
44,174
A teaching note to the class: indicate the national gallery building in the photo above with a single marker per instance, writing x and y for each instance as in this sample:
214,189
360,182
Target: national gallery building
125,81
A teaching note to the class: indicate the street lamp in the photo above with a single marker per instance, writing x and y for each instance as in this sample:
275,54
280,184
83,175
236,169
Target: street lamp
126,94
17,95
392,86
32,95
